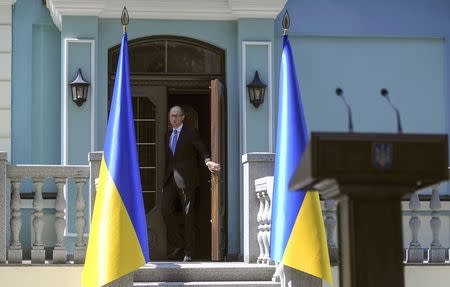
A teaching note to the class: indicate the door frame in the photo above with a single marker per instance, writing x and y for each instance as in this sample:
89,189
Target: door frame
192,84
178,82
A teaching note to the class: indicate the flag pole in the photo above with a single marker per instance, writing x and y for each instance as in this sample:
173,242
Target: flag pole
297,236
119,214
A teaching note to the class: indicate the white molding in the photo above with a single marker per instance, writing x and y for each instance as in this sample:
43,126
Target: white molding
91,42
65,109
244,100
93,96
269,97
160,9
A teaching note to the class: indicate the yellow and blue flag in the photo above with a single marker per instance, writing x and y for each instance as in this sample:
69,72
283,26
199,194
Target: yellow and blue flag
118,241
298,236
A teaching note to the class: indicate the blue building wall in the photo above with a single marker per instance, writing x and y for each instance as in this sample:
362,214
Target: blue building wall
359,46
35,85
357,42
363,47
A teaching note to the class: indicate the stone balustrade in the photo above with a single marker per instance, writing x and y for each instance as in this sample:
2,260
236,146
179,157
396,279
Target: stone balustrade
254,165
421,246
264,189
11,178
425,230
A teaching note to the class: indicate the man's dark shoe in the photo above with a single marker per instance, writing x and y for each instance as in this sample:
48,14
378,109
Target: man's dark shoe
187,258
176,254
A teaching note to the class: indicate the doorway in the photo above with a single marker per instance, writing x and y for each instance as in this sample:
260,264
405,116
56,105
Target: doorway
167,71
197,106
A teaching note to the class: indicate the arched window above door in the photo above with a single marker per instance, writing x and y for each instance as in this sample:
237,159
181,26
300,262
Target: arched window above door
170,55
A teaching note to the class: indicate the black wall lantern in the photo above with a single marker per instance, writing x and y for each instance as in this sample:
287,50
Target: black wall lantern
256,90
79,88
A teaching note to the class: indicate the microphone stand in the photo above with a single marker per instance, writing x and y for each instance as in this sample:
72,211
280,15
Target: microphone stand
385,93
340,93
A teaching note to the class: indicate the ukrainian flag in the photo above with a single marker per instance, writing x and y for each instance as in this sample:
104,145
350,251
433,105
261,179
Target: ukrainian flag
298,236
118,241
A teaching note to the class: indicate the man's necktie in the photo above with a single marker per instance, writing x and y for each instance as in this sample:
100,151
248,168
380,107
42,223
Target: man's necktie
173,144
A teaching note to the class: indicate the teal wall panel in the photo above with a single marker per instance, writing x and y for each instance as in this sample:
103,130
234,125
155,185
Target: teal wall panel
412,69
255,29
85,27
46,100
79,118
257,128
35,78
80,121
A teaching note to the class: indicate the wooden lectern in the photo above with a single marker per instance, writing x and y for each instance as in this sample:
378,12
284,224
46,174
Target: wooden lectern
369,174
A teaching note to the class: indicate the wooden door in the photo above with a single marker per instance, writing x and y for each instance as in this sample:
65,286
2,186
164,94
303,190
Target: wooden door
150,118
218,206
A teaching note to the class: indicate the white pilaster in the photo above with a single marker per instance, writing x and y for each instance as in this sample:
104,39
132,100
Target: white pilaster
5,75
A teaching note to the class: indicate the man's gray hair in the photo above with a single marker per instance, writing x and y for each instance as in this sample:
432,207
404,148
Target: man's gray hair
178,107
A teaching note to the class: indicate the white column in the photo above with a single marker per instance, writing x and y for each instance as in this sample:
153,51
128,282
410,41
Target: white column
5,75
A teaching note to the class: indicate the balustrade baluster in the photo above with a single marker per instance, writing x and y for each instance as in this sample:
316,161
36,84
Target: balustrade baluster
59,252
80,245
259,195
15,248
436,252
38,251
415,251
266,227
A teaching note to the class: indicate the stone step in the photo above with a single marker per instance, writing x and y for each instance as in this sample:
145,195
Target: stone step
210,284
203,272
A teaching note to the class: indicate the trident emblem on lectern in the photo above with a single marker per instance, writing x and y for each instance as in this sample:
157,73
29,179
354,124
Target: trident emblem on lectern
381,155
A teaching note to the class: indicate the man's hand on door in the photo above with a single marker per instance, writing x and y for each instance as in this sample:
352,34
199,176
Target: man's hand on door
212,166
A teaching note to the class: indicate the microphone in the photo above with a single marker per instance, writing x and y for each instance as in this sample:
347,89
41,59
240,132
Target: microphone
385,93
340,93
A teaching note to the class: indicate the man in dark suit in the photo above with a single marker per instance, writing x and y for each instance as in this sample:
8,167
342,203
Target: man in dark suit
181,181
